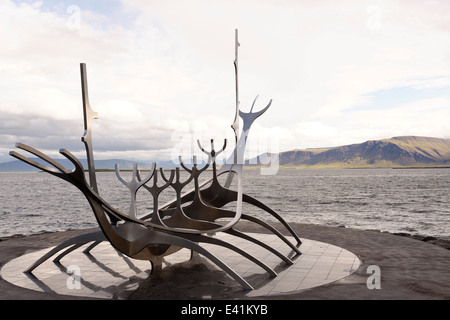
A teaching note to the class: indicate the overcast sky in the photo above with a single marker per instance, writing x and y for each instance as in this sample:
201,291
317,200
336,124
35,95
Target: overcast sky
339,72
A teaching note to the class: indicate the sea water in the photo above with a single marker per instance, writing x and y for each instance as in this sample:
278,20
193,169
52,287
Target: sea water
415,201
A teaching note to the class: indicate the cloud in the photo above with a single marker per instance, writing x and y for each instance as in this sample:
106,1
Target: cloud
158,68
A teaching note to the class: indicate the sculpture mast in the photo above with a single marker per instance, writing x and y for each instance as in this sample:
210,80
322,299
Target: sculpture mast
235,124
237,158
88,114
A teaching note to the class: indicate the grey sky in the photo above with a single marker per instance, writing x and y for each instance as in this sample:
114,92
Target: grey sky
338,72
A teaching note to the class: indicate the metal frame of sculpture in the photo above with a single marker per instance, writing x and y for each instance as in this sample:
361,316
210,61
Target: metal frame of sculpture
172,226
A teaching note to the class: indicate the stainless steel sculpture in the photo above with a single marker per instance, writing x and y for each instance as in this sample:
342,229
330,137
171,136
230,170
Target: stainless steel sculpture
175,225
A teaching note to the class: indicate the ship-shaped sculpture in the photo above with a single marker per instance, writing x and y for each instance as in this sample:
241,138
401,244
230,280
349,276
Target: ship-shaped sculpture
186,222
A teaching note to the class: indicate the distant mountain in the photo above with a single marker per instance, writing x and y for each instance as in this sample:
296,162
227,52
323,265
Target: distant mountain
409,151
405,151
19,166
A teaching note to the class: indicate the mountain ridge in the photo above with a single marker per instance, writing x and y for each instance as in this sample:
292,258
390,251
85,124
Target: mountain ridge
400,151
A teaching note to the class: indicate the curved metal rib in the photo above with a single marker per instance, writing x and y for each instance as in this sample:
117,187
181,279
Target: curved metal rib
43,156
77,178
211,214
201,210
260,243
206,239
155,190
217,196
38,165
259,204
164,238
273,230
83,239
134,185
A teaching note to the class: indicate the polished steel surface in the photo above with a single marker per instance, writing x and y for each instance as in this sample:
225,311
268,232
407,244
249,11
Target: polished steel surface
235,125
133,185
175,225
135,238
88,115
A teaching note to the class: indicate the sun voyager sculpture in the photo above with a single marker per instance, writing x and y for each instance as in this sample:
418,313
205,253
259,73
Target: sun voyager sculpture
189,221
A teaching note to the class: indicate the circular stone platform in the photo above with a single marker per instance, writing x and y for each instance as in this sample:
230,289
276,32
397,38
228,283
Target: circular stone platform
105,273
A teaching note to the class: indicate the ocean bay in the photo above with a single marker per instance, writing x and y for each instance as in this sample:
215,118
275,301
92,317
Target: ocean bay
413,201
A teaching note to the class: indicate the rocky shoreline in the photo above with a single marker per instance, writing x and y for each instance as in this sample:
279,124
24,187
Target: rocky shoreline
429,239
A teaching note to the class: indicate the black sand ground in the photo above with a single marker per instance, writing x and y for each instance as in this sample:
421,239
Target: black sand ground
410,269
